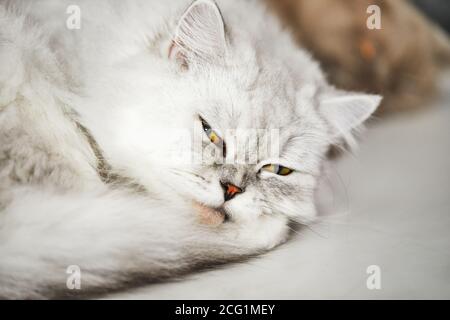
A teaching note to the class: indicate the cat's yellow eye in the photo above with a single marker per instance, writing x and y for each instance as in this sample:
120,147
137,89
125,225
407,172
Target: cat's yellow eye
277,169
213,137
210,133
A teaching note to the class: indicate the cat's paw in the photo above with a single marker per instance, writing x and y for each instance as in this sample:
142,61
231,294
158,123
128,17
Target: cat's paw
263,233
259,233
207,215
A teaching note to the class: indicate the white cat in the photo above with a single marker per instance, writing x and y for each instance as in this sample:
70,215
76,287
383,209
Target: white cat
90,120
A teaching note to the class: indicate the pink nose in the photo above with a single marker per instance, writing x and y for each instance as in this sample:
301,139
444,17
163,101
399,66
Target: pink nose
230,190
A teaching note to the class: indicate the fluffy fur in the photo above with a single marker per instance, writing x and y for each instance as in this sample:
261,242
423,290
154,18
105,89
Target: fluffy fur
90,120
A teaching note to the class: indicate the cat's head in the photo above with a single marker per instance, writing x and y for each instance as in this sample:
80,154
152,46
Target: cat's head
264,124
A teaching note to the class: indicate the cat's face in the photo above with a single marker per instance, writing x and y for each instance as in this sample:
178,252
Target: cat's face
262,135
257,151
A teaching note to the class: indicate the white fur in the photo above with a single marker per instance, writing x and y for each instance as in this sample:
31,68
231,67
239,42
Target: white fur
118,77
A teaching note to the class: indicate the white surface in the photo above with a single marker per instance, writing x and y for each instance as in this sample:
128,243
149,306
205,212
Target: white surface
388,205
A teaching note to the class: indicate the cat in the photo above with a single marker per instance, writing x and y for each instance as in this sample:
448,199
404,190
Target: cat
90,120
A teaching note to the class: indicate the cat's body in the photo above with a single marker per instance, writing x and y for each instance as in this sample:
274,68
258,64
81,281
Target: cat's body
90,119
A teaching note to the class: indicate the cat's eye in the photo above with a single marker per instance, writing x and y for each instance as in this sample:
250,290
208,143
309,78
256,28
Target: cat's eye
213,136
210,133
277,169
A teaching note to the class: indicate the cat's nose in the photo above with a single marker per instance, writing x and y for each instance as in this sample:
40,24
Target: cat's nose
230,190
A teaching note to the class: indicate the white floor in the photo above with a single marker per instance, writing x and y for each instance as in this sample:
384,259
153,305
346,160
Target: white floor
388,205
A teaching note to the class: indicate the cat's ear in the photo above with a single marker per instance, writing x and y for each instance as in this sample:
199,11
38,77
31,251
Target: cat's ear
345,111
200,34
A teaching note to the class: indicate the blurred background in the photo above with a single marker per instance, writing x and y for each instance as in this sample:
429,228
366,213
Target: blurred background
436,10
401,61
